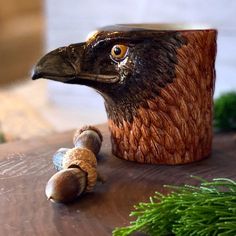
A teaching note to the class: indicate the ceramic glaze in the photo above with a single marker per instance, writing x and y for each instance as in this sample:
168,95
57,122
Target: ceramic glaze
157,82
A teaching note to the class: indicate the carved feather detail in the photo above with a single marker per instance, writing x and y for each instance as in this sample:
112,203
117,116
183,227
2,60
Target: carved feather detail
175,126
158,97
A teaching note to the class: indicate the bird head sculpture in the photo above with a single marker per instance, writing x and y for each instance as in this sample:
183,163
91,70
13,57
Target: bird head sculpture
157,85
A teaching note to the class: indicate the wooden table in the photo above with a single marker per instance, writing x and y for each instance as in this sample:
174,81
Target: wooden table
25,167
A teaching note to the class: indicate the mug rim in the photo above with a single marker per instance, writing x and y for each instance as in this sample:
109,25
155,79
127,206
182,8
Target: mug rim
158,27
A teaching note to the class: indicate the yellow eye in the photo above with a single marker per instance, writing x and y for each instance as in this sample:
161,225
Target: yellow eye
119,52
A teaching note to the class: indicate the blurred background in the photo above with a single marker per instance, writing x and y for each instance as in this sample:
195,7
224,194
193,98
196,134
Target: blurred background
31,28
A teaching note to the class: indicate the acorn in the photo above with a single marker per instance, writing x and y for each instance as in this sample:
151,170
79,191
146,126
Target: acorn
72,181
77,167
58,158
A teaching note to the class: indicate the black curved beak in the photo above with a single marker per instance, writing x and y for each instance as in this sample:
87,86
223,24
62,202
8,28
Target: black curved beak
64,65
60,64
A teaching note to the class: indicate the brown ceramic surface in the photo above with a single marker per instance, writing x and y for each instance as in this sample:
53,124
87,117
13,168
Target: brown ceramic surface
157,83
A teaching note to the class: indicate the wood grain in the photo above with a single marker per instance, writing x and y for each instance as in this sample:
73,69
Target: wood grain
25,167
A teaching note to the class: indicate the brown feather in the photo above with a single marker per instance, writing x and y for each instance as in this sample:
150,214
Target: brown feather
175,126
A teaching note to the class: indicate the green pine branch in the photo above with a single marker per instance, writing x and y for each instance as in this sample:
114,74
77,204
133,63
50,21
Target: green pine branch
209,209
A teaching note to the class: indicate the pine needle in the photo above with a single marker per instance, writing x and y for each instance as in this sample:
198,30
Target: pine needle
208,209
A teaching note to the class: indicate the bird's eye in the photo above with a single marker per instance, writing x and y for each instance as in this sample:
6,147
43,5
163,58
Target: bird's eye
119,52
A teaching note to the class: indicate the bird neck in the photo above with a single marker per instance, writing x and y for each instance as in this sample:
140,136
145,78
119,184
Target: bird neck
125,107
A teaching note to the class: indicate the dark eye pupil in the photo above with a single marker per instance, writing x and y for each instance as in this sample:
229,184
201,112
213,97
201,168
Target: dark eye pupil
117,51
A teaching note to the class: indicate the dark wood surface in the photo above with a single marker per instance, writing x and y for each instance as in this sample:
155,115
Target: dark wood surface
26,166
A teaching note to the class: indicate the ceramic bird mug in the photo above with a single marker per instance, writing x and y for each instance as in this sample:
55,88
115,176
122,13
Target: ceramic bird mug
157,82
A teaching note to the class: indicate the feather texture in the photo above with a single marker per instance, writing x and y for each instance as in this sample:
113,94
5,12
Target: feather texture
175,126
158,97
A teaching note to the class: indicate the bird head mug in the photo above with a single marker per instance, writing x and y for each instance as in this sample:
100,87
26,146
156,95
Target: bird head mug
157,82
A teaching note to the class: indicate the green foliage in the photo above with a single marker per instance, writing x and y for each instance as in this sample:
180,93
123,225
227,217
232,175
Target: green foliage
209,209
2,139
225,111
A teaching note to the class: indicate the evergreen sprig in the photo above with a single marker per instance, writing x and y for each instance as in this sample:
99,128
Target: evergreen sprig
208,209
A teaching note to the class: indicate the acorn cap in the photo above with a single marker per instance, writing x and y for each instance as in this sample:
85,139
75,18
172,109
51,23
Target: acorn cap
89,127
86,161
